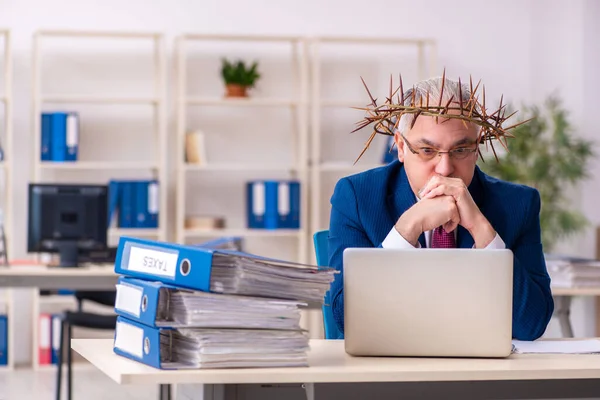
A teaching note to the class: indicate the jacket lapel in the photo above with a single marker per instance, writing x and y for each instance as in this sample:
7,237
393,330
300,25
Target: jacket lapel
401,199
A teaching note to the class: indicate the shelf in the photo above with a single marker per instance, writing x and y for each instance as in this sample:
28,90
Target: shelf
99,34
243,232
98,99
108,165
242,38
343,166
241,102
142,232
58,299
238,167
376,40
344,103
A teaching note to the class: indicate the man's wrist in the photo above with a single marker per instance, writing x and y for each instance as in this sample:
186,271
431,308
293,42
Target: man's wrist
408,231
483,233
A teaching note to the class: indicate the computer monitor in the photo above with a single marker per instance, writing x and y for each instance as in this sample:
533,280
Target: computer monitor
67,219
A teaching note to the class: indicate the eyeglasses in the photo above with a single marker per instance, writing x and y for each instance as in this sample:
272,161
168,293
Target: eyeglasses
429,153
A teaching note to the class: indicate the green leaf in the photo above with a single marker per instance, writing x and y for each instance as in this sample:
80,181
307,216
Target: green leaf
238,73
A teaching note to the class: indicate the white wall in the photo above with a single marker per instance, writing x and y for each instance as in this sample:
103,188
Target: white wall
524,49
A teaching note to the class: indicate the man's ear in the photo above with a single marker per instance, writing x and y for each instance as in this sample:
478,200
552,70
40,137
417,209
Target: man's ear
400,146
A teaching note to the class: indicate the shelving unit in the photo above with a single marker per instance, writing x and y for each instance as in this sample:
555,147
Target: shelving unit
91,99
91,165
6,167
325,172
241,102
157,100
295,100
200,233
239,167
86,170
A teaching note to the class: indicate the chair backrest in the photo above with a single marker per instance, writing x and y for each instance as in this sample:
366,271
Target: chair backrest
322,254
321,249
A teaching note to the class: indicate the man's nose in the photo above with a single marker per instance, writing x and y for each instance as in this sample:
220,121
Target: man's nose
444,166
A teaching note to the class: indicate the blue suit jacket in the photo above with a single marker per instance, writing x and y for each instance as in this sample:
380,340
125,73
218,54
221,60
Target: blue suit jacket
367,205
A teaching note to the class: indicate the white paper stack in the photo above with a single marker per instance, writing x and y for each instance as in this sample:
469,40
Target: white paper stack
573,272
233,348
236,273
583,346
183,308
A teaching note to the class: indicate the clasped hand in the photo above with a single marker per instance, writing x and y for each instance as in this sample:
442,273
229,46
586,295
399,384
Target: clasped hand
445,202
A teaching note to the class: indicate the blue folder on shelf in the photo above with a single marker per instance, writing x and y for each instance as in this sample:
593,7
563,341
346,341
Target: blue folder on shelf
126,204
56,322
261,204
273,204
288,204
58,139
46,139
4,340
142,217
72,136
136,202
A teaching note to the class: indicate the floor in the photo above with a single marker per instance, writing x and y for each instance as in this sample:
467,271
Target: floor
88,384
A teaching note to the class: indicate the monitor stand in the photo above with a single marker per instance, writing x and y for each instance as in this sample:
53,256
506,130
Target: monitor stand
68,254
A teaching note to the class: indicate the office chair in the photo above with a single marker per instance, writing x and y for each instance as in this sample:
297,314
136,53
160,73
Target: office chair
321,251
81,319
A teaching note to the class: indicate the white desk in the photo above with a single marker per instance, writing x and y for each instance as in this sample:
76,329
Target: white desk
96,277
330,364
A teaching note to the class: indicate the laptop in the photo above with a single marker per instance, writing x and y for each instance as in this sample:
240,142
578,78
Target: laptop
428,302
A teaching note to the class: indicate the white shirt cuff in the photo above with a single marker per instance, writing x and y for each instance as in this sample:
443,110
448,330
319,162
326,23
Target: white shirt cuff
497,243
394,240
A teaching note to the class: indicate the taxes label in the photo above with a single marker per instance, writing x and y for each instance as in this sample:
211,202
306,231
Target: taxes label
152,262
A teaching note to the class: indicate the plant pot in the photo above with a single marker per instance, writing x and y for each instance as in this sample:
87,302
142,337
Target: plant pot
235,90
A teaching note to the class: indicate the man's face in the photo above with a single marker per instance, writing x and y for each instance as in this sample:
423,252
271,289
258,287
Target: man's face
427,137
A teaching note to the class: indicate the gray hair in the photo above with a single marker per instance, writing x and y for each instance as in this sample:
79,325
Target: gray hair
433,86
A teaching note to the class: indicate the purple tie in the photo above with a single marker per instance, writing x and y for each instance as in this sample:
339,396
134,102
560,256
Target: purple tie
440,239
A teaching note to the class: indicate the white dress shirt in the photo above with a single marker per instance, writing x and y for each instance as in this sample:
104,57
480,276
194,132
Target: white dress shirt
394,240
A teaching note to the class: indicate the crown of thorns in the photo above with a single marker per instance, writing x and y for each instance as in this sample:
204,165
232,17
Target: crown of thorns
386,116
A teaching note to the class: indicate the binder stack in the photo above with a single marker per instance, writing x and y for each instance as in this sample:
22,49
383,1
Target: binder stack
212,305
569,272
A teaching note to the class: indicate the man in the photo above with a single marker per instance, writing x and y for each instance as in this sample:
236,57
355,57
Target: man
436,196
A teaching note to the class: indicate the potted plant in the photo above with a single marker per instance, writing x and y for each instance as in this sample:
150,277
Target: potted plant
239,77
546,155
